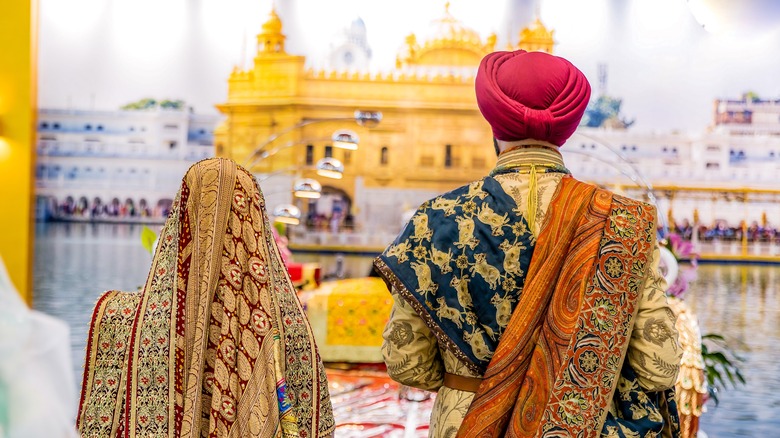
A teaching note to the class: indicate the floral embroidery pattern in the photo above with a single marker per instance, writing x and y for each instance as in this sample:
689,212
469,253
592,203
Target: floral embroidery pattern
103,379
623,223
464,277
401,334
589,361
656,331
307,383
571,409
613,267
150,396
609,302
603,313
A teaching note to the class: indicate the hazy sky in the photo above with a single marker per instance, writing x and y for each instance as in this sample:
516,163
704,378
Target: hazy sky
665,65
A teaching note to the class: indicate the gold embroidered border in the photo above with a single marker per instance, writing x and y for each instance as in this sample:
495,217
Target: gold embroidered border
580,409
395,283
100,407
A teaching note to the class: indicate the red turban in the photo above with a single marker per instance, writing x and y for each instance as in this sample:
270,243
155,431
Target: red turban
526,95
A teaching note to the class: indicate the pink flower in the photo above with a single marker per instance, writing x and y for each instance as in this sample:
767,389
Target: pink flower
682,249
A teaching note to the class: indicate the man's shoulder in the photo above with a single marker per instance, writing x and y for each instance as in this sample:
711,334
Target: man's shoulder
454,195
616,197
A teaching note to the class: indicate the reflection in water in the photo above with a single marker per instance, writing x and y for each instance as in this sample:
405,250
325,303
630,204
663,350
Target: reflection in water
74,263
743,304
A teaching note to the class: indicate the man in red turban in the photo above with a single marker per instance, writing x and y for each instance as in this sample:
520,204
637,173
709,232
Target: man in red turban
529,300
531,95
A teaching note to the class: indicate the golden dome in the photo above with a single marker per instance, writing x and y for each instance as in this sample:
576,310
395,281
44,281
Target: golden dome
449,31
273,25
536,37
450,43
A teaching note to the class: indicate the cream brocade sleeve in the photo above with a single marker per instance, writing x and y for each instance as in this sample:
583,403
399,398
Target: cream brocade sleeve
410,350
413,358
653,351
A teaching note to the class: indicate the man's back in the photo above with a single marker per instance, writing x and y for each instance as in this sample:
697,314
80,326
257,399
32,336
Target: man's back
417,358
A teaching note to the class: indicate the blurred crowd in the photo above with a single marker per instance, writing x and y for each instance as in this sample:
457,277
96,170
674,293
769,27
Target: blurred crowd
334,222
115,209
725,231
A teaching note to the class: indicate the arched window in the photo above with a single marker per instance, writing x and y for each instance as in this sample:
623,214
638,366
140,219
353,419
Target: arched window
309,154
448,155
383,156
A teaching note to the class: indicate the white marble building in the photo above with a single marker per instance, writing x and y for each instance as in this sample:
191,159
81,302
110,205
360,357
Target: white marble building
728,173
116,165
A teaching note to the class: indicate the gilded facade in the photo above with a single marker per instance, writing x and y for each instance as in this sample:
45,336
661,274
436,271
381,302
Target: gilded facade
431,139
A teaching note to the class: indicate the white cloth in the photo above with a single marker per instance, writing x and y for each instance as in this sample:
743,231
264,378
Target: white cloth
37,391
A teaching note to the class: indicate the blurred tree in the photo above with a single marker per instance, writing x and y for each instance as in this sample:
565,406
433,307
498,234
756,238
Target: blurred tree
750,96
143,104
149,103
172,104
605,112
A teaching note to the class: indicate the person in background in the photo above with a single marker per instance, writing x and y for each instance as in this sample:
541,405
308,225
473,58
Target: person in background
216,343
529,300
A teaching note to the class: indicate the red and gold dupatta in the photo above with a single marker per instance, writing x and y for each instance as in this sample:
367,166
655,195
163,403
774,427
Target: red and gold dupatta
216,343
556,366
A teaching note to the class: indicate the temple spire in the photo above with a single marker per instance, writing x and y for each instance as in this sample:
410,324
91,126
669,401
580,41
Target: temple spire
270,40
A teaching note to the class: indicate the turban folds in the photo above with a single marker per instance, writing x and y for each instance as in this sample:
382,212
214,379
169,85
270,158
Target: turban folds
531,95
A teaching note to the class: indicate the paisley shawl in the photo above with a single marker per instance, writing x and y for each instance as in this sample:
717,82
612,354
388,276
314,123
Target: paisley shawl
461,264
555,371
216,343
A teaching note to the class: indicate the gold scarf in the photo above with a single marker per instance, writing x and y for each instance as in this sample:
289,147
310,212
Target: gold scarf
215,335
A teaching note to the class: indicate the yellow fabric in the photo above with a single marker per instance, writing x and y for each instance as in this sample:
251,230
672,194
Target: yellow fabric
358,310
368,302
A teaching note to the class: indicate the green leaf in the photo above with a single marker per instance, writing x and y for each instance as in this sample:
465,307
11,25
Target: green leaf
147,238
718,356
729,374
714,336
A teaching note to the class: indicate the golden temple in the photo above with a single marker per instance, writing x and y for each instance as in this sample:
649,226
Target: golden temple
432,136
